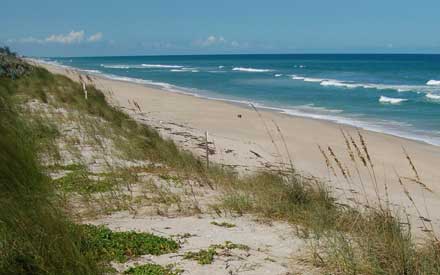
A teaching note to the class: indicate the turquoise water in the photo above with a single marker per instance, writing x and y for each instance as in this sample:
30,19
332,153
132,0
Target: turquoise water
396,94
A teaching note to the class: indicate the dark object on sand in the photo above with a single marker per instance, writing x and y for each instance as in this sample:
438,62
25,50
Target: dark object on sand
239,115
255,153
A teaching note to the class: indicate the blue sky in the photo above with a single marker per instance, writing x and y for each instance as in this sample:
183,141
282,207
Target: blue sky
150,27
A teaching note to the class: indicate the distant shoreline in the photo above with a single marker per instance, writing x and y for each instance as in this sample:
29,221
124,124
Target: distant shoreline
337,120
235,54
248,140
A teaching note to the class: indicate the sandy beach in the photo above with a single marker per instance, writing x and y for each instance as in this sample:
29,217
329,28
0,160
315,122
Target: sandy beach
220,137
248,139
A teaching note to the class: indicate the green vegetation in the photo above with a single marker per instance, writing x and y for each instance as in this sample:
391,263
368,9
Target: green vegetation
11,66
203,256
121,246
137,141
152,269
35,237
231,245
344,239
7,51
78,180
206,256
223,224
297,200
167,177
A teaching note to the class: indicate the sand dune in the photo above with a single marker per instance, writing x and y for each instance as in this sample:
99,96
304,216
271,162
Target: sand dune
247,139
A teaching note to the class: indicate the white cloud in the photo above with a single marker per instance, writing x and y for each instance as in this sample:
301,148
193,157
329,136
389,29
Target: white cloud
95,37
73,37
235,44
213,40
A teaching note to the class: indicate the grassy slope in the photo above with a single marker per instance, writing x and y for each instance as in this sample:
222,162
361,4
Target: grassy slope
35,236
344,239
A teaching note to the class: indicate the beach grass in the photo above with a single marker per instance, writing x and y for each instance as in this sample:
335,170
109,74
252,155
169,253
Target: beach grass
153,269
35,236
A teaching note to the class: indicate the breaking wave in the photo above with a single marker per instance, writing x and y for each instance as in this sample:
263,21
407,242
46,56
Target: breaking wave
92,71
433,82
161,66
433,96
252,70
141,66
352,85
116,66
307,79
184,70
391,100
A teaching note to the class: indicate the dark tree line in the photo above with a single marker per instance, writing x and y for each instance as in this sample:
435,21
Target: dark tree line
12,66
7,51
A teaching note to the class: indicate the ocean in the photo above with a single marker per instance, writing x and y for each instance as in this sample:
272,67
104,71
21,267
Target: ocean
394,94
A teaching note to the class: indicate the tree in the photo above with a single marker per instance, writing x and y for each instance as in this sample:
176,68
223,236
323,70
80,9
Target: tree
7,51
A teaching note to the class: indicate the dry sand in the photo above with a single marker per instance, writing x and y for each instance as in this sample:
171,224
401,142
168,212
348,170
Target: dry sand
252,141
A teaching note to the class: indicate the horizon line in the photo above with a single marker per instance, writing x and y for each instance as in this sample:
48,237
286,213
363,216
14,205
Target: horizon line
229,54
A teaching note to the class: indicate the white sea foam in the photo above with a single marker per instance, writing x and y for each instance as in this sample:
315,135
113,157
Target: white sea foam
278,75
295,77
51,62
311,79
221,67
433,96
251,70
351,85
160,66
337,83
184,70
390,127
116,66
92,71
391,100
433,82
140,81
306,79
141,66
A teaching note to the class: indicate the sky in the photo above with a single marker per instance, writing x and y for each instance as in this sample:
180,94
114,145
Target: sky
163,27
